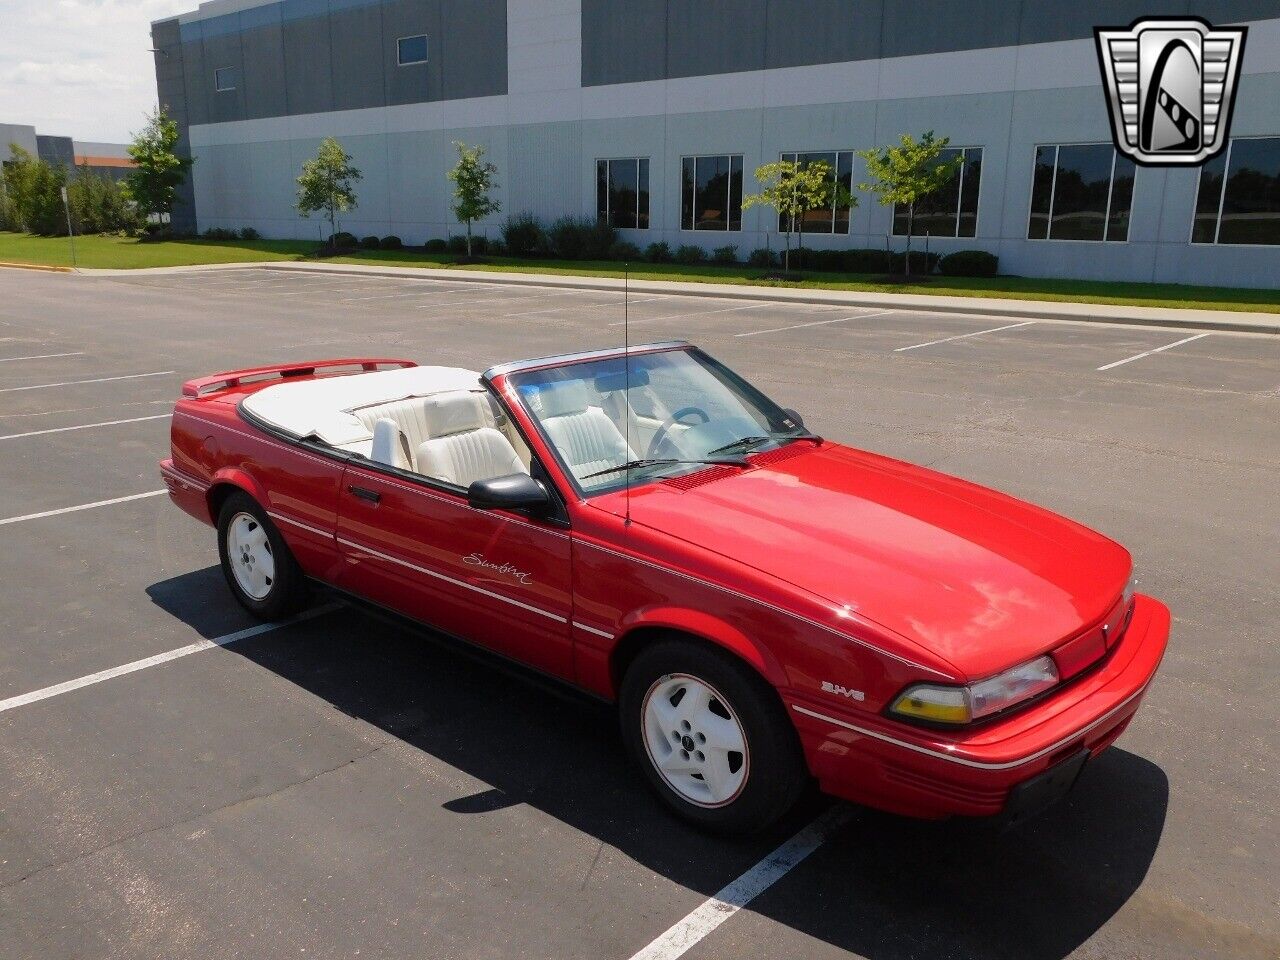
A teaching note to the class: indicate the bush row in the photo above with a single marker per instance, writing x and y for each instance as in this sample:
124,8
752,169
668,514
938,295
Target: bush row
32,199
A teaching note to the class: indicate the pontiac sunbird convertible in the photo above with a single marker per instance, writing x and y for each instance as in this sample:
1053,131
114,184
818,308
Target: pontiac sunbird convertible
764,606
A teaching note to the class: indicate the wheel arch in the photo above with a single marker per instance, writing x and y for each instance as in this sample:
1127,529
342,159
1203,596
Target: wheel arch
653,625
231,480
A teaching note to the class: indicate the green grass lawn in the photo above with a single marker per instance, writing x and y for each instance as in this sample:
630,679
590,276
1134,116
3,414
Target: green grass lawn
117,252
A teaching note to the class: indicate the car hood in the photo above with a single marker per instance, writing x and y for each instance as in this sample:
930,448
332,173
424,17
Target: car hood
981,579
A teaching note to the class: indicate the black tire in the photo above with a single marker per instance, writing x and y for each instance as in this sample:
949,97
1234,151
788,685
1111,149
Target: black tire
287,591
775,774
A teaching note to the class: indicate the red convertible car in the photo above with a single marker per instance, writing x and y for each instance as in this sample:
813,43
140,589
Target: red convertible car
763,605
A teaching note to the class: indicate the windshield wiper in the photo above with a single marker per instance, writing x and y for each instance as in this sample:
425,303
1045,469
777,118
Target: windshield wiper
741,442
665,461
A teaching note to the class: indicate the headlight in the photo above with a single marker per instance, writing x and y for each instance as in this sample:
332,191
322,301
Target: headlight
957,705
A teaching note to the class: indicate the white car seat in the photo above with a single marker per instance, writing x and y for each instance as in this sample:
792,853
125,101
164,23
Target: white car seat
464,446
585,436
390,445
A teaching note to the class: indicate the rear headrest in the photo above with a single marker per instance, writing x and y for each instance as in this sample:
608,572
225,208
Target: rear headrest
560,398
448,413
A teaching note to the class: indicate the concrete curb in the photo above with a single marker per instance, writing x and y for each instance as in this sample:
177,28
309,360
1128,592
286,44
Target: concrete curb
45,268
998,307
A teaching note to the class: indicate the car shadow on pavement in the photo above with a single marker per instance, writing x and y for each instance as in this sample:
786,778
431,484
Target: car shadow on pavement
886,887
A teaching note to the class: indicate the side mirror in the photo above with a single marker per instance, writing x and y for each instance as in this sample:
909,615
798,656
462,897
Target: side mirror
519,491
794,417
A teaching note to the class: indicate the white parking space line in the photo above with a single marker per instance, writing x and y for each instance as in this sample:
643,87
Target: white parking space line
965,336
1147,353
45,693
563,309
814,323
82,426
700,313
690,931
84,506
41,356
75,383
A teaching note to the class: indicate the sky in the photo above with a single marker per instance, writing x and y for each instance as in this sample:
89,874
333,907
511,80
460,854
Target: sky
80,68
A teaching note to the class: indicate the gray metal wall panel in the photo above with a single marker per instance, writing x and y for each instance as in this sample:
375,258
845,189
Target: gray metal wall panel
308,62
802,32
623,42
166,38
194,79
1047,22
911,27
473,44
219,52
262,48
358,61
714,36
418,82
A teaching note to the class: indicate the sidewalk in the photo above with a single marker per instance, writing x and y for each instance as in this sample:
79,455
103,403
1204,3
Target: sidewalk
1227,320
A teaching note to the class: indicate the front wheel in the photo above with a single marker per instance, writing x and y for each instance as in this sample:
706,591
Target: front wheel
711,736
256,561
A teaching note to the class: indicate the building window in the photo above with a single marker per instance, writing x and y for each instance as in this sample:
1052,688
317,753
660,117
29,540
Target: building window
622,192
952,210
711,193
224,79
411,50
824,219
1239,196
1081,192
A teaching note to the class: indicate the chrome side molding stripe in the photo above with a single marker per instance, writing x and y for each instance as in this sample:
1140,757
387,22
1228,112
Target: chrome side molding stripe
281,518
447,579
599,633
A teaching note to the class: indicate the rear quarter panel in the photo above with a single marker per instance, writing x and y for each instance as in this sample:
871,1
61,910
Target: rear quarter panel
299,489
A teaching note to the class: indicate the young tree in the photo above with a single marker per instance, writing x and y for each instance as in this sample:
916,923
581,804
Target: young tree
328,184
158,170
907,173
33,194
472,180
794,188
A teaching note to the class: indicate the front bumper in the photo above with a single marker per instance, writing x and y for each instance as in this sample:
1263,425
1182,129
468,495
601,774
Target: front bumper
924,773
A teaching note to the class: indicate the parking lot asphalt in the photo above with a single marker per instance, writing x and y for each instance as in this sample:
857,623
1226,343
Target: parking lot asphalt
347,786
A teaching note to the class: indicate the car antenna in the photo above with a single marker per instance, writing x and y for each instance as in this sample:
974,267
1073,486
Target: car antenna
626,368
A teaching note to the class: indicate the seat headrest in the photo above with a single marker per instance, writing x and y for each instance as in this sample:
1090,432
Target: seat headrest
458,412
560,398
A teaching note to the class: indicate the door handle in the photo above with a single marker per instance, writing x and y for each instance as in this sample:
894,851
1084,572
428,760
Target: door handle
364,494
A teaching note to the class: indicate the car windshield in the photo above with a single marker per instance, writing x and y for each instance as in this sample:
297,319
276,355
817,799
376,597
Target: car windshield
673,412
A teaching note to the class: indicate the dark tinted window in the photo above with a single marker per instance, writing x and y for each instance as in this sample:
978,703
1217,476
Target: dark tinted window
711,193
1250,200
412,50
1081,192
622,192
225,78
950,211
825,219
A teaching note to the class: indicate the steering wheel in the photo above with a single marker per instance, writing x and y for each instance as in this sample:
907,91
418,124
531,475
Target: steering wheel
660,436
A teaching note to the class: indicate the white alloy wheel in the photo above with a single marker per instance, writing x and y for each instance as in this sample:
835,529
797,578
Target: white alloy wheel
695,740
249,553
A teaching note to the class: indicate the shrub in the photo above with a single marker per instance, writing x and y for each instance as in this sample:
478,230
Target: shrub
828,260
478,244
762,257
624,250
390,243
578,238
220,233
456,244
969,263
725,256
496,247
435,245
921,262
343,241
690,254
248,233
864,260
370,243
659,252
523,235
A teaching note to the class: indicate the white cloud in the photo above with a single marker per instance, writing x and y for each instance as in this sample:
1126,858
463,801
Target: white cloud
80,68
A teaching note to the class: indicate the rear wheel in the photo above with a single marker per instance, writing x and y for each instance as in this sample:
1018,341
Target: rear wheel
711,736
256,561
